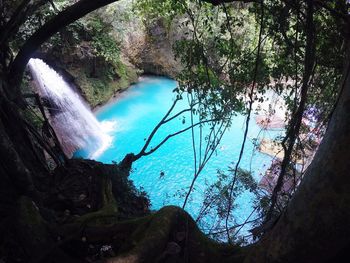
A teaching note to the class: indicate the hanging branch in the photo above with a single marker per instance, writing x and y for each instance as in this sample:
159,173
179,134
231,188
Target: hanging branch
41,142
215,135
251,100
211,148
295,124
247,221
49,128
192,133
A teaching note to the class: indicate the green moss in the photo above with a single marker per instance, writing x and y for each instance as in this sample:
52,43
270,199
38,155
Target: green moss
108,213
152,235
111,79
126,72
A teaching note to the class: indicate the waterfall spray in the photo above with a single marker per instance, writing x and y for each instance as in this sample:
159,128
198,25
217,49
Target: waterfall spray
75,125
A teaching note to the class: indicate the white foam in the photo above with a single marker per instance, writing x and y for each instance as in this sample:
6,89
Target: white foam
74,123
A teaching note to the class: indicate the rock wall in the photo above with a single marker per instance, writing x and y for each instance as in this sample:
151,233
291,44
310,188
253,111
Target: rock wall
150,48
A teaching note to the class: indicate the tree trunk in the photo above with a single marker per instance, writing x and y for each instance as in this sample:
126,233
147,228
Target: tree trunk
315,227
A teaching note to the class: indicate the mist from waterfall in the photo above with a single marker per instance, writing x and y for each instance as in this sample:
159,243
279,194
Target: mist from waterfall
74,123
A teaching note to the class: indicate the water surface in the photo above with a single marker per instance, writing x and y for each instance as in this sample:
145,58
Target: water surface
132,117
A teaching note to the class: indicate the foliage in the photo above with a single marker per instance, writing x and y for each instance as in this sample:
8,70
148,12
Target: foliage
150,10
216,204
219,54
103,43
291,48
92,29
218,60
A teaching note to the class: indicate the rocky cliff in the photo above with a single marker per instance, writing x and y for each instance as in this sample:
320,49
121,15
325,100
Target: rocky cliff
100,69
150,48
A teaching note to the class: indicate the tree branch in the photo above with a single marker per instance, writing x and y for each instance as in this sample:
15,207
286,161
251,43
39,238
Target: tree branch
162,121
171,135
295,125
251,101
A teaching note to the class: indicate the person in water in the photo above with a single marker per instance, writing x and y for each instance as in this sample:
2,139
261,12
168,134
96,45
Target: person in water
161,174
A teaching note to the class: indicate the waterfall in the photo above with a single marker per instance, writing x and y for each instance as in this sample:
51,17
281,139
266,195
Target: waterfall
74,123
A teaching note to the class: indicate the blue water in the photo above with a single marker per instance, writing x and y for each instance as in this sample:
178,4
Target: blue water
137,112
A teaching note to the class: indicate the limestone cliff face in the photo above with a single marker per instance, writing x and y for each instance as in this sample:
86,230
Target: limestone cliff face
146,44
150,48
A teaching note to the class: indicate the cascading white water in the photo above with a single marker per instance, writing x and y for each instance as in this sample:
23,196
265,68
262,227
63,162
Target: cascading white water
75,125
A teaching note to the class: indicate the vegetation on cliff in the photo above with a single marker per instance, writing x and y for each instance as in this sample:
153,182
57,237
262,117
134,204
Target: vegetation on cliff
88,51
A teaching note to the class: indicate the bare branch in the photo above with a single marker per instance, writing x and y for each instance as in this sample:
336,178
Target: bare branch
174,134
179,113
251,100
162,121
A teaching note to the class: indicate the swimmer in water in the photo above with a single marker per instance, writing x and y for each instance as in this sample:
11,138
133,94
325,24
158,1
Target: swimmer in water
161,175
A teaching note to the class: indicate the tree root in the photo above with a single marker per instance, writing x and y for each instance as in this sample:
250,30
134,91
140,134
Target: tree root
170,235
